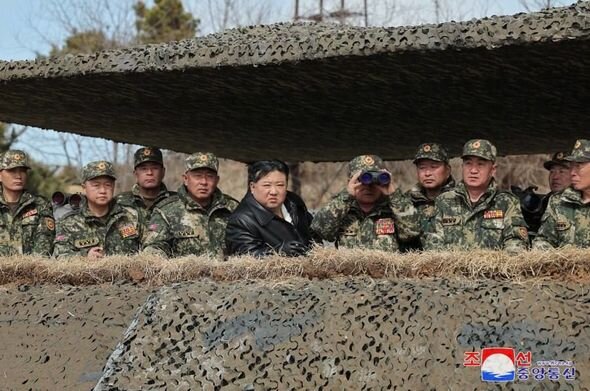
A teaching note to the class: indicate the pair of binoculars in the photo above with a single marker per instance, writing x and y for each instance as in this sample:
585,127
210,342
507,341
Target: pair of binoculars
375,177
60,199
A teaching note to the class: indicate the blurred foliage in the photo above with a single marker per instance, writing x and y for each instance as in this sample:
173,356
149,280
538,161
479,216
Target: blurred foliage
165,21
84,42
9,134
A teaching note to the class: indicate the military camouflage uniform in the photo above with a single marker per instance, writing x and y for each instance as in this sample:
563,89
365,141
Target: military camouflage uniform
494,222
118,233
566,220
180,226
392,221
133,198
417,194
425,206
31,228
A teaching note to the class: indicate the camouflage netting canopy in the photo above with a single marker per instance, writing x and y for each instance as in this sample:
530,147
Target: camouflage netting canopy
325,92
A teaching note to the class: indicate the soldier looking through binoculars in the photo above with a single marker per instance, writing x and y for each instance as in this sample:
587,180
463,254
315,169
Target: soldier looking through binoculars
370,212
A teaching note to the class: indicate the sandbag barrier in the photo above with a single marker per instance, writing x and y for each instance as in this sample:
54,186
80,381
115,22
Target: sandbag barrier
348,333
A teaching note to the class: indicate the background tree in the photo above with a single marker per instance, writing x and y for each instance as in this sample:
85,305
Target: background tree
535,5
84,42
9,134
96,25
164,22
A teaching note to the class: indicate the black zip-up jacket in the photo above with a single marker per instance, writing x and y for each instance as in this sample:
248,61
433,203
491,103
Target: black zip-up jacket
252,229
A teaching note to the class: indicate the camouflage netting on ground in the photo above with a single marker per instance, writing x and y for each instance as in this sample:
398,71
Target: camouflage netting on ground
59,337
347,333
325,92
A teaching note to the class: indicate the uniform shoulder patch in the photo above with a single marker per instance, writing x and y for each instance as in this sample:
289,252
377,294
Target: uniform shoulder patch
127,230
493,214
451,220
50,223
385,226
187,233
89,242
523,233
562,225
352,229
30,213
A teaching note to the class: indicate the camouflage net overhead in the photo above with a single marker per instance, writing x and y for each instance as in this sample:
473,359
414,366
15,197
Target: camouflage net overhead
325,92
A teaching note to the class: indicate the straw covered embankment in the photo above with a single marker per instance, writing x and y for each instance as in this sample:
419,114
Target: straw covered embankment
564,265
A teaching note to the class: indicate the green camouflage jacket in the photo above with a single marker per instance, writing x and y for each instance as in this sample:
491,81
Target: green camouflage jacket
118,233
134,200
424,205
494,222
565,221
179,226
392,221
30,230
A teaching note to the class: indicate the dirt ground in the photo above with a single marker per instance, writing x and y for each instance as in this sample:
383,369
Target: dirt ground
59,337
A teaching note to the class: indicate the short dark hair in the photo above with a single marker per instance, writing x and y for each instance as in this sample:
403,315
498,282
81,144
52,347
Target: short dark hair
261,168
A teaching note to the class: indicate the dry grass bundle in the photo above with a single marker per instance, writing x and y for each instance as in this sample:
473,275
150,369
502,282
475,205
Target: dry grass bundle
566,265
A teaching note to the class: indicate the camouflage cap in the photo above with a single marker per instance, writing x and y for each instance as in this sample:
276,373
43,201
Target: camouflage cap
480,148
581,152
558,159
14,158
202,160
365,163
98,168
148,154
432,151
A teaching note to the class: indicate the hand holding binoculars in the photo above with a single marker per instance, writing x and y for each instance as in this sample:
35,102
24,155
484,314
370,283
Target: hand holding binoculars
381,178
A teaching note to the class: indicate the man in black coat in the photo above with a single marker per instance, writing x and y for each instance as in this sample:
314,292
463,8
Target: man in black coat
269,219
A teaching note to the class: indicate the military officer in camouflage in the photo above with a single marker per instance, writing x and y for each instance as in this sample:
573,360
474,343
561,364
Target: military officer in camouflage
149,190
566,220
194,220
100,226
26,220
434,177
559,172
475,214
373,214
